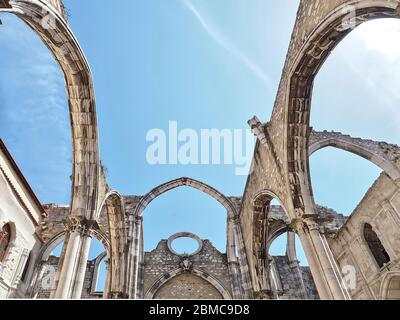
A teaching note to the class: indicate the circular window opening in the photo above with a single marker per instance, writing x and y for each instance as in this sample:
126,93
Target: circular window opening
184,244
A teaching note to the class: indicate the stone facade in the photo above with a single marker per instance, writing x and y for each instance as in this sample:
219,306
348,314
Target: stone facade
209,260
380,208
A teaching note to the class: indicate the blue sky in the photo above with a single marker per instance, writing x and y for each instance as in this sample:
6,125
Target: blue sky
205,64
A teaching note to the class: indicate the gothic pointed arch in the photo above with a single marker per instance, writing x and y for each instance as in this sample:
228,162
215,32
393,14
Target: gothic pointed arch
268,224
47,19
317,32
382,154
240,280
114,209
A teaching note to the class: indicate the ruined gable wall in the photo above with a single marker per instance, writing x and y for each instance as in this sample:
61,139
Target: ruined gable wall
162,261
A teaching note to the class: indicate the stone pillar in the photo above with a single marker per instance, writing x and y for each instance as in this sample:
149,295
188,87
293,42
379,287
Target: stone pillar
328,280
86,239
233,264
140,274
107,285
244,268
235,278
291,247
134,257
312,259
294,262
74,263
37,277
328,264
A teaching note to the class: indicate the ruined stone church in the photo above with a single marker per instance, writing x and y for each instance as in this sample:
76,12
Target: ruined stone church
355,257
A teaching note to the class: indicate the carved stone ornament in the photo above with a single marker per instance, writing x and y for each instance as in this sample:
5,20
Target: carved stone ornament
186,264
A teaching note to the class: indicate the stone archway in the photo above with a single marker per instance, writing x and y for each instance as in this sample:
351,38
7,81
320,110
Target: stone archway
113,205
381,154
265,230
323,28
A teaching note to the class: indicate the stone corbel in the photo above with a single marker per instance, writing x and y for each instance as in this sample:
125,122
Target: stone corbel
258,130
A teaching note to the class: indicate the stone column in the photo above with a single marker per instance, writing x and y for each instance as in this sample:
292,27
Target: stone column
233,263
140,274
328,264
328,279
86,239
74,263
244,268
107,285
291,247
235,278
37,277
59,266
134,257
294,262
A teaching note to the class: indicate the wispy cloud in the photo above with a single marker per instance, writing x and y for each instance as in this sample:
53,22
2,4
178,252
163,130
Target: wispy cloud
223,42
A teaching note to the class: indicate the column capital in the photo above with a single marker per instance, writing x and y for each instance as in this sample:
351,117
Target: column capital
298,225
82,225
305,224
312,224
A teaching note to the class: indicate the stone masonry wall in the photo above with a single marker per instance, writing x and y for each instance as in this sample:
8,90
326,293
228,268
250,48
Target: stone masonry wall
291,282
162,261
380,208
